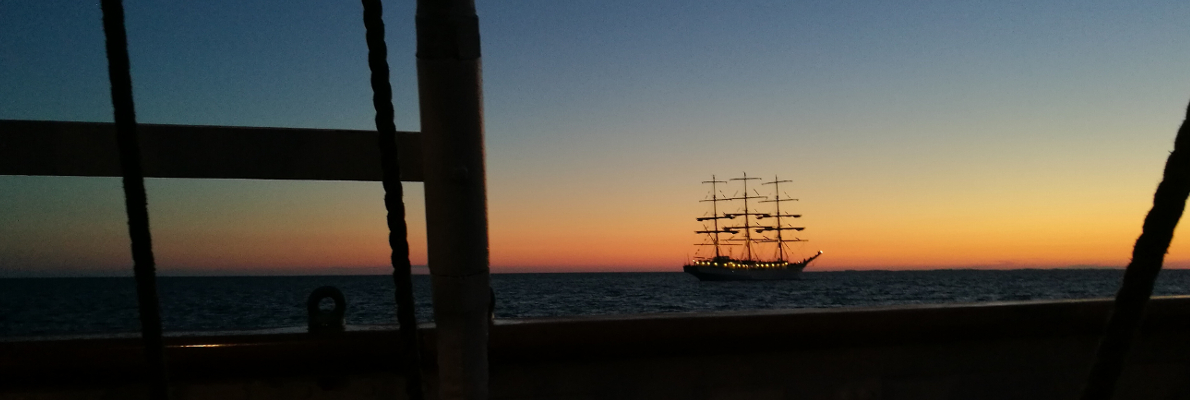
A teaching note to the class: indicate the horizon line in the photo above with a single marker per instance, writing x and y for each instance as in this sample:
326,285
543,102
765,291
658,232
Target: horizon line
223,274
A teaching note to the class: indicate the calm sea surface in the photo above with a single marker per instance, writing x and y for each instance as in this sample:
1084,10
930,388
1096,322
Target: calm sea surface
71,306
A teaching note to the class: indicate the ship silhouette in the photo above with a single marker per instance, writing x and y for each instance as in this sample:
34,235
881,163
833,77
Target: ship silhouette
750,267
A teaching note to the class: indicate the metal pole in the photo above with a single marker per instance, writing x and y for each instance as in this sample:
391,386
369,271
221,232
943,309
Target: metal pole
449,83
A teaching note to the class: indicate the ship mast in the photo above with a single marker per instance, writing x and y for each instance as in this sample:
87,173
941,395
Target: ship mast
715,199
747,215
780,227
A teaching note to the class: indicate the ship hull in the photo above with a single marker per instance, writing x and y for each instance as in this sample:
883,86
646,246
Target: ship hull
712,273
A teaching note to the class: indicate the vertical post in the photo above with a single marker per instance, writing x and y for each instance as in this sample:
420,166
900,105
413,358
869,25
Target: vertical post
449,83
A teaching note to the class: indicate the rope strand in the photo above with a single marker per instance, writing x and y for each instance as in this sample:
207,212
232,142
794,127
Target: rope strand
1147,256
135,201
382,99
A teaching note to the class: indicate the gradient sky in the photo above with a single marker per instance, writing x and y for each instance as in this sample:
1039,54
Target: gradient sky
924,134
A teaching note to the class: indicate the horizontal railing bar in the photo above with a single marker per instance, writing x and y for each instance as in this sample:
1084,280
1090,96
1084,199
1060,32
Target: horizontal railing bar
57,148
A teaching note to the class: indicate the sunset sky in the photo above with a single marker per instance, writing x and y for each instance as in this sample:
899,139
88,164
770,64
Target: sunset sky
924,134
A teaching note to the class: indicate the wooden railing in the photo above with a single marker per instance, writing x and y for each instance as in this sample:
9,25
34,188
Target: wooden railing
55,148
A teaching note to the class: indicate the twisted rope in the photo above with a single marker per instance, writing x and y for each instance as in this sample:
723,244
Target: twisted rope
382,100
135,202
1168,204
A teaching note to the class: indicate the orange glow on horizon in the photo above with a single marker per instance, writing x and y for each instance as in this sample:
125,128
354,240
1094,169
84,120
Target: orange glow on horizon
528,236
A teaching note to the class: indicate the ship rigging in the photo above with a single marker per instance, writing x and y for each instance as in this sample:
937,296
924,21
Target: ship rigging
750,266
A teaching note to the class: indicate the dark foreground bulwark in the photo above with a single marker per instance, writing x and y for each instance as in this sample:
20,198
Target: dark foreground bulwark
1020,350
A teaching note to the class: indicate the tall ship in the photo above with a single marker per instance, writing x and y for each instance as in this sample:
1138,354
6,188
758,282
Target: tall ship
750,235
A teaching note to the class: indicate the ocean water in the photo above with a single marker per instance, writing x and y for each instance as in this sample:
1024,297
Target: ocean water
32,307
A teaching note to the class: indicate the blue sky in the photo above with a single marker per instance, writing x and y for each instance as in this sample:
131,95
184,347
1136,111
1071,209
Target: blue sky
607,113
